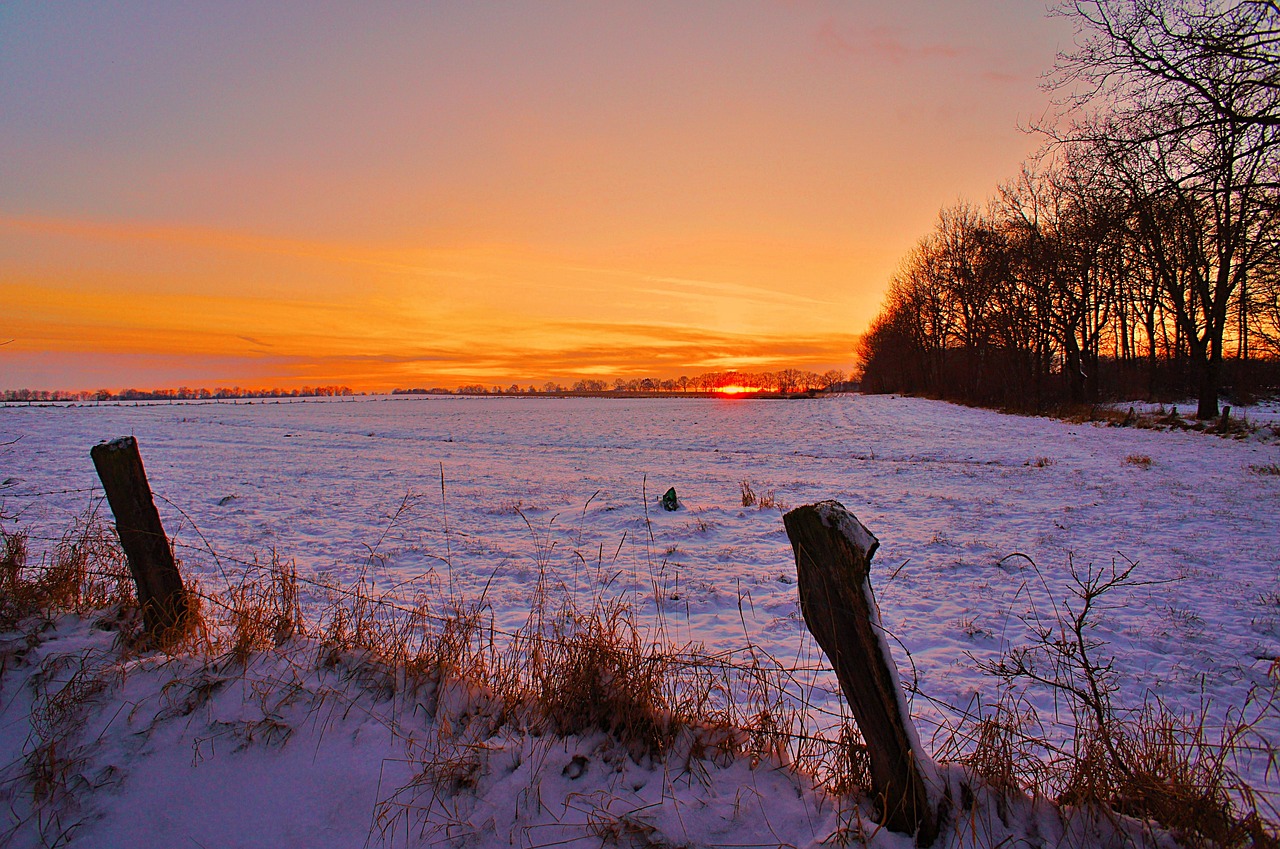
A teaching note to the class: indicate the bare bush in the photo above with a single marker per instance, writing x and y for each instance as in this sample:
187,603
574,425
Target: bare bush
1150,762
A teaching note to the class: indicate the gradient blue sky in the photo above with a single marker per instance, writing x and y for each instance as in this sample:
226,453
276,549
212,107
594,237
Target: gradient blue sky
435,193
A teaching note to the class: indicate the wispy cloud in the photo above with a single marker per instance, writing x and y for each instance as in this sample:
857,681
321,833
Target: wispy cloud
878,42
561,351
209,239
522,315
716,290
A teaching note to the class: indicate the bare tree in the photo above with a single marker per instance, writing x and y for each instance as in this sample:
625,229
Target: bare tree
1067,219
1214,63
1178,101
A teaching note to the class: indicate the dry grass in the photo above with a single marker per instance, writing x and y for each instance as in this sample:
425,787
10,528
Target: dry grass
1141,461
1179,774
767,500
84,571
1172,769
1225,425
1267,469
261,612
578,665
592,670
582,664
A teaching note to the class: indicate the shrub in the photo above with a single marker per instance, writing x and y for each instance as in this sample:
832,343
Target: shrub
1149,763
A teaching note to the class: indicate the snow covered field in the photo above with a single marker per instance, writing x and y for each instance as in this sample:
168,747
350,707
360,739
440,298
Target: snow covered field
571,486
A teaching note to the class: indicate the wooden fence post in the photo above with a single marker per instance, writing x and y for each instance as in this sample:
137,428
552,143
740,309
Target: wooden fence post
160,591
833,564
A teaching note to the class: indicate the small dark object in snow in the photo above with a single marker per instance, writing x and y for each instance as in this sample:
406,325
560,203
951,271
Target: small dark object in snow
225,500
575,768
669,500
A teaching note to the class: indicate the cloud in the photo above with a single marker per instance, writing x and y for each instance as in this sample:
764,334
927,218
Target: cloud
207,239
878,42
562,351
1004,77
716,290
595,349
526,316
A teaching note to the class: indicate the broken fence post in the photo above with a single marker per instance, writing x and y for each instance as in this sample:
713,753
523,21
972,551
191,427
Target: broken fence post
160,592
833,562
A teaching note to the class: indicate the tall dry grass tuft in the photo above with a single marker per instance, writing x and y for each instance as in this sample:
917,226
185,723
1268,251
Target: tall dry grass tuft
261,612
85,571
1005,747
583,665
14,589
593,671
767,500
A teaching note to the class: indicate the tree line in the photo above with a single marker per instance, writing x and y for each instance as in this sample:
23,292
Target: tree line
784,381
182,393
1139,254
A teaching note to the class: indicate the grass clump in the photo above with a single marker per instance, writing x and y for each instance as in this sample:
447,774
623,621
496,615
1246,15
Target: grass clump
84,571
262,611
1141,461
593,671
767,500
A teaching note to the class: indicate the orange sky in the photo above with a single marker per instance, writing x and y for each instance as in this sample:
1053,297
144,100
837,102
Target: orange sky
443,193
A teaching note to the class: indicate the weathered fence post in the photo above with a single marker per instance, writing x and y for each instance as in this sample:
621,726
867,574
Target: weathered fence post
833,563
160,592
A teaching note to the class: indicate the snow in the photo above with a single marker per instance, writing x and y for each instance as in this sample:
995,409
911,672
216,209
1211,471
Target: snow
834,514
456,497
284,752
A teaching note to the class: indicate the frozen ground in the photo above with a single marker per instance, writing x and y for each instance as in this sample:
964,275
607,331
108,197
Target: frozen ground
570,486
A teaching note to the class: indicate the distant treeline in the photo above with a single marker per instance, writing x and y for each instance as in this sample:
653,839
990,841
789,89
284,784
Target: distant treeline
785,381
1139,256
180,394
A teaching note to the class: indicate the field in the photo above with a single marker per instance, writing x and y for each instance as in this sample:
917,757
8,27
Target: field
983,519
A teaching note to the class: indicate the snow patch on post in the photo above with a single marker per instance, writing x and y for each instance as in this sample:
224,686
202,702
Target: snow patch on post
834,515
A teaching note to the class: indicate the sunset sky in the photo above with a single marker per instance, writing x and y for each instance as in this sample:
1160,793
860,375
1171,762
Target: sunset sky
437,193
